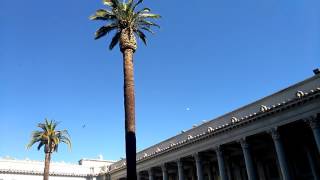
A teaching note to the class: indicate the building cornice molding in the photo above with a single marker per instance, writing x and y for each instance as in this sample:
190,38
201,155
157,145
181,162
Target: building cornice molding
28,172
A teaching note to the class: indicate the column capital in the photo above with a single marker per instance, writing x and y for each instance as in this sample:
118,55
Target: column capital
150,171
179,162
244,144
274,132
196,157
163,167
313,121
218,150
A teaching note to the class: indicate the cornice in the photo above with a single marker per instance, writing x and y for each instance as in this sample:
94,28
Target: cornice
28,172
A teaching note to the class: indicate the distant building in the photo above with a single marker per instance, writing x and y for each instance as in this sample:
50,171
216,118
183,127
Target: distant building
87,169
276,137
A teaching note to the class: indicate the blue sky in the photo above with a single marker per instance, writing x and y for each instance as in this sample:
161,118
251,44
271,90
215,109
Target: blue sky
208,58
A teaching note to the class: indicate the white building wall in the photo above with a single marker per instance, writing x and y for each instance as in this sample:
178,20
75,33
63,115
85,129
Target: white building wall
38,177
11,169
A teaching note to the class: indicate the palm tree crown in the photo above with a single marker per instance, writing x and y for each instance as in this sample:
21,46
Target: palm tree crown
49,137
122,17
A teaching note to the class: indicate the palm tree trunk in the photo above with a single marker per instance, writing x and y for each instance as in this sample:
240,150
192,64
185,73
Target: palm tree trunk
129,106
46,166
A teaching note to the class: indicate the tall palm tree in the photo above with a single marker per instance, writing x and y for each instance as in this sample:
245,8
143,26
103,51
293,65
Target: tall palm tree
50,138
128,24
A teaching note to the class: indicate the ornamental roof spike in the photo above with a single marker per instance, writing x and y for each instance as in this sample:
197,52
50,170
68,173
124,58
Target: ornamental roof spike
234,119
300,94
263,108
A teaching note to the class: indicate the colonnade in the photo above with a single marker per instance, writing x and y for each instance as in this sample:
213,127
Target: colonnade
251,169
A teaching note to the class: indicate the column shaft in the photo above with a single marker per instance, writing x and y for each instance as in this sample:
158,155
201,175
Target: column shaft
164,172
280,155
180,170
198,166
138,175
150,174
248,160
314,123
221,164
316,133
312,164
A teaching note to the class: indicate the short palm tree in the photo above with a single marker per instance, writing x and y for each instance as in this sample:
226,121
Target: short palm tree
128,24
50,138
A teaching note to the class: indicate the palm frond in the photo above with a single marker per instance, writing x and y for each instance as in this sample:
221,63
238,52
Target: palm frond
32,142
130,4
66,141
55,125
102,14
149,15
147,29
107,3
142,36
40,145
114,40
56,148
115,3
105,30
144,10
139,2
147,23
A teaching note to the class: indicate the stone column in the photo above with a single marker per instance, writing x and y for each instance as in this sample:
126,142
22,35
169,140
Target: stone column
138,175
221,164
312,163
198,166
280,154
314,123
164,172
248,160
180,170
150,172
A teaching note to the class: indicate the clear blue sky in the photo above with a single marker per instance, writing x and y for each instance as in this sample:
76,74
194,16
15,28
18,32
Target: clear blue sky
208,58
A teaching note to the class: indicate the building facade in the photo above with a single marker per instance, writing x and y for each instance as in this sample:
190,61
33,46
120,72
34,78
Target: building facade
87,169
276,137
